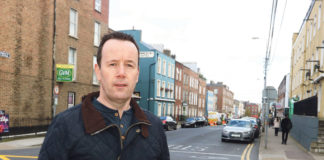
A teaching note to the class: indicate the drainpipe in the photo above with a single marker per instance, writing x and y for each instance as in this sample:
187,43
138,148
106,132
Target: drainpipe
53,61
149,88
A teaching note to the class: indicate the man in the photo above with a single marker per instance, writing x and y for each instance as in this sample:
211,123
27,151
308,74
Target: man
108,124
286,125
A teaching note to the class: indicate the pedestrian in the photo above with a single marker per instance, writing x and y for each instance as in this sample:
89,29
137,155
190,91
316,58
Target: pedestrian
276,125
286,125
108,124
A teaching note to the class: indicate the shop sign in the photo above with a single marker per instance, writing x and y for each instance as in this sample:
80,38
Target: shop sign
4,54
146,54
64,72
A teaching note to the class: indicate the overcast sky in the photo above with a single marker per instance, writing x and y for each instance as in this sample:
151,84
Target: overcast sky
219,36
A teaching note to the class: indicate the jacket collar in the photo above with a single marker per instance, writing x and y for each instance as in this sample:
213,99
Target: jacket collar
94,121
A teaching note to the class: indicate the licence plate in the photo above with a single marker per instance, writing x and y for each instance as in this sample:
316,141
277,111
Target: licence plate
236,135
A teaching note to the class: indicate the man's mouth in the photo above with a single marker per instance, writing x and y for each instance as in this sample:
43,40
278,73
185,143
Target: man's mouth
120,85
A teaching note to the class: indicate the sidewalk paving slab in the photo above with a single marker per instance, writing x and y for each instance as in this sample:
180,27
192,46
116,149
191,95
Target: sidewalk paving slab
277,151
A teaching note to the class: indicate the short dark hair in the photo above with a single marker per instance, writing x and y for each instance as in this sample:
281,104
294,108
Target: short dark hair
118,36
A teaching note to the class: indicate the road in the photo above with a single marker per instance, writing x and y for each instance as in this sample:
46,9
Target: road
184,144
205,144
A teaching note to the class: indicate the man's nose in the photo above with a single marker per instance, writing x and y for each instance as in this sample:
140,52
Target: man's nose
121,71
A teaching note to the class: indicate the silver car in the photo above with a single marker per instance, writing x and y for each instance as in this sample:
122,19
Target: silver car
238,129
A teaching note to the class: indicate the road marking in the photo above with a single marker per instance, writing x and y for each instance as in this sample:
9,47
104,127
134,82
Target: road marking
206,157
177,147
244,152
249,152
213,154
5,157
185,148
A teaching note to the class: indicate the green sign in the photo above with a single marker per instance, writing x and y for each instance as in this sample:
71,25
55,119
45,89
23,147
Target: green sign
64,72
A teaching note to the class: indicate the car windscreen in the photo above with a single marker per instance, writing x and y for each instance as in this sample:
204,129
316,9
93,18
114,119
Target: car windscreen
239,124
190,119
163,118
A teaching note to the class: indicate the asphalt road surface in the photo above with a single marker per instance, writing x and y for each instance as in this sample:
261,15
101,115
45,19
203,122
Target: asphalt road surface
184,144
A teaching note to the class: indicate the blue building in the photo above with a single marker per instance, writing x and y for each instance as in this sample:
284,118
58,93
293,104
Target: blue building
156,80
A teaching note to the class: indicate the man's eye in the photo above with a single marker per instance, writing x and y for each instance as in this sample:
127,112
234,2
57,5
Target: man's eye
112,64
129,65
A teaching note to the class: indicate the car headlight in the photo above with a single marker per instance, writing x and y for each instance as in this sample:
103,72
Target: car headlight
225,131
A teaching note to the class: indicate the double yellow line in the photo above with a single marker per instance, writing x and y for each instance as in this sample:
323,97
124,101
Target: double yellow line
247,151
6,157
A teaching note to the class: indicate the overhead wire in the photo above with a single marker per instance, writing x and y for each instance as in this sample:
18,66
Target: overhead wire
278,35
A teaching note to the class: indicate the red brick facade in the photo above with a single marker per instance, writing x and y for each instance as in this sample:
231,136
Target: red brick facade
27,35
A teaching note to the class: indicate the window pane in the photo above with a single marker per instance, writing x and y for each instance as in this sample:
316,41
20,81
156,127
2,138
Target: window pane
96,33
98,5
73,22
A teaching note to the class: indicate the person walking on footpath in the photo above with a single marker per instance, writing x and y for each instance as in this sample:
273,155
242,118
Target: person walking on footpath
109,124
286,125
276,125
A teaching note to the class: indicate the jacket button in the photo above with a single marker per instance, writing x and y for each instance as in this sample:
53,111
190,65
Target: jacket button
123,137
138,130
116,114
121,126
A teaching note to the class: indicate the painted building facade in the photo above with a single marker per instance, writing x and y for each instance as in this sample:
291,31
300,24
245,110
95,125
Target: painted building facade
156,80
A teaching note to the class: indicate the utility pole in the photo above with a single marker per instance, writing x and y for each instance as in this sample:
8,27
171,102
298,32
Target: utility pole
265,97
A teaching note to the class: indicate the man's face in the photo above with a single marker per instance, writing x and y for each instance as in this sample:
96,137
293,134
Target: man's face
119,71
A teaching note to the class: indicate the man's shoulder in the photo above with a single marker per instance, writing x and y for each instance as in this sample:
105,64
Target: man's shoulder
71,114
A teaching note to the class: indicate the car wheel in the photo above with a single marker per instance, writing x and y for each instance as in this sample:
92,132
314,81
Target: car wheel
223,140
169,128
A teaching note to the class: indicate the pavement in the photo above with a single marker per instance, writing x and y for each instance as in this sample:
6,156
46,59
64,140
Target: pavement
277,151
21,143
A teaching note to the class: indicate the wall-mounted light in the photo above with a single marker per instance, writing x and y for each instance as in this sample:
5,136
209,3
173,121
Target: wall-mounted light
316,66
307,73
319,47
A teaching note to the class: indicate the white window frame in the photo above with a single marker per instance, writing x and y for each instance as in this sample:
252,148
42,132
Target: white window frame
73,25
177,73
94,76
171,90
169,109
164,67
319,16
176,92
96,35
163,89
159,108
164,109
158,88
159,65
73,53
314,30
98,5
179,92
180,74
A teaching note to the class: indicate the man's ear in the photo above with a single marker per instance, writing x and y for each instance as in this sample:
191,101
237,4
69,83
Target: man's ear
97,70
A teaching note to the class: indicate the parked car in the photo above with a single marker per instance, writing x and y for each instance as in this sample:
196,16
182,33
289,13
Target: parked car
238,129
168,123
201,121
256,125
189,122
